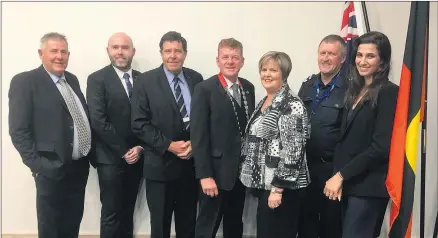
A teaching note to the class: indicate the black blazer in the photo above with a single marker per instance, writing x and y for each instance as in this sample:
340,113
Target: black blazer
40,124
216,140
110,112
362,154
157,122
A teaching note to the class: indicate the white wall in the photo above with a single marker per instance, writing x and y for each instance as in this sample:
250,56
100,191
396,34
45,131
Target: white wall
295,28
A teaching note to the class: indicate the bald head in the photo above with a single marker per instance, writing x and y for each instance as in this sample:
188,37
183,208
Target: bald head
120,36
121,51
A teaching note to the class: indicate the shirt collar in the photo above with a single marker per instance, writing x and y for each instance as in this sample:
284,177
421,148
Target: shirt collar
170,76
338,82
121,73
54,77
229,83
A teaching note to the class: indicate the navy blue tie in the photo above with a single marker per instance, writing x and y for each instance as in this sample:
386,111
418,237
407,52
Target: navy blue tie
180,102
128,84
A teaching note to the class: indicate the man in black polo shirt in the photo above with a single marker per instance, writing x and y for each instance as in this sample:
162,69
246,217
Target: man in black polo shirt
323,95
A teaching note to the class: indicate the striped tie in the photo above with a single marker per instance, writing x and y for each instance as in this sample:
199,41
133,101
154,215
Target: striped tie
128,84
180,101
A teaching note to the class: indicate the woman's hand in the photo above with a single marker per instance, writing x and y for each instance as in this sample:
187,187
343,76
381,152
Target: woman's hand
333,187
274,199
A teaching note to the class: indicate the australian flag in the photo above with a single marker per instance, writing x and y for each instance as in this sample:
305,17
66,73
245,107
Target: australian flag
352,27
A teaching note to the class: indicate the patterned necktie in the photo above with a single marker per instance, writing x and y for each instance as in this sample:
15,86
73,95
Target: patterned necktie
128,84
78,119
236,93
180,101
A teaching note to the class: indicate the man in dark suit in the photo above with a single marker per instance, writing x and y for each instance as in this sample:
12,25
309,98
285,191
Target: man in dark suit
119,169
49,127
221,108
161,120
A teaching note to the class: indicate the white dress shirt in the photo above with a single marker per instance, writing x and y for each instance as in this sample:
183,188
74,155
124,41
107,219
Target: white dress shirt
230,84
75,154
120,74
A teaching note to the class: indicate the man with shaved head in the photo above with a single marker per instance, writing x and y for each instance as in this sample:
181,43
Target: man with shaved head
118,162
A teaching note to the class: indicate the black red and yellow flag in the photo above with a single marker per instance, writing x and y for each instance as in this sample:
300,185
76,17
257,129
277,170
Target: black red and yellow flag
405,140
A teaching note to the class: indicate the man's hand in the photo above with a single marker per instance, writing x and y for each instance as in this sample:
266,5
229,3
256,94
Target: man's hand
209,187
188,153
178,147
133,155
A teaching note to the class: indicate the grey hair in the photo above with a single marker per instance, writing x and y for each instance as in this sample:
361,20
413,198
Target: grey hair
281,58
52,36
336,38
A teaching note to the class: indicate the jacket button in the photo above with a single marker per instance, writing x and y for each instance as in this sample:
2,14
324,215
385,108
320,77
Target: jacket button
71,144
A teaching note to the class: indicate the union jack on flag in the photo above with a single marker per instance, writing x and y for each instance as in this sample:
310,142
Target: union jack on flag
351,28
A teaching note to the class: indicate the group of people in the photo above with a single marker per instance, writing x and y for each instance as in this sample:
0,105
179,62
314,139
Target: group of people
316,161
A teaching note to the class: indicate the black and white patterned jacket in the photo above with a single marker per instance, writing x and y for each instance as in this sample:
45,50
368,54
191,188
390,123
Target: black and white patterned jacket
273,149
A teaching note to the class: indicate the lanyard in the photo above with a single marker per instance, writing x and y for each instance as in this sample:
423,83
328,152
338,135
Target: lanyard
317,101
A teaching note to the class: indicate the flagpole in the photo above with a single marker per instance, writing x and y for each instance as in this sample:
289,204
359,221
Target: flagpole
423,167
365,16
423,162
424,134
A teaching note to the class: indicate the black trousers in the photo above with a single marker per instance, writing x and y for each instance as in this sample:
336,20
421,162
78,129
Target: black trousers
281,221
363,216
119,184
319,216
60,203
227,205
165,198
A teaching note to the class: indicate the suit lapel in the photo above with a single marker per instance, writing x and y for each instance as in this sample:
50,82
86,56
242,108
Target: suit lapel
113,77
226,99
249,99
189,81
165,88
354,114
77,91
50,87
135,75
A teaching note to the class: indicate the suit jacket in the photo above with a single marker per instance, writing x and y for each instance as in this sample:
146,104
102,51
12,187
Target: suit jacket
40,125
362,154
110,112
157,122
216,139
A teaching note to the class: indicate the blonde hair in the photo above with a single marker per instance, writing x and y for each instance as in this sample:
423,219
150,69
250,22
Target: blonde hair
282,59
231,43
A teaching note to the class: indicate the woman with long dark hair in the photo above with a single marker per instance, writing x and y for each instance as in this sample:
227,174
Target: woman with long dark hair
361,157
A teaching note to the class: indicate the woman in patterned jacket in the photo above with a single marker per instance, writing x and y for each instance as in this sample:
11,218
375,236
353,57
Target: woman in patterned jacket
274,164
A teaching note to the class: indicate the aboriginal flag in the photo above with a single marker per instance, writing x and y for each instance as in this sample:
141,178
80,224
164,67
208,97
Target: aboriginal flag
405,141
